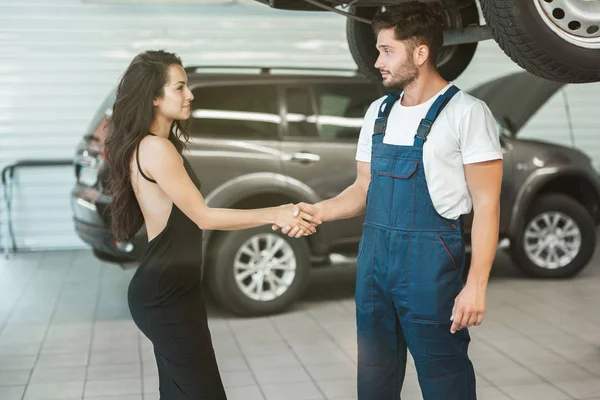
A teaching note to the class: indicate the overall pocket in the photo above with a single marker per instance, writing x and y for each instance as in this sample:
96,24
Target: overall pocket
392,183
364,292
436,275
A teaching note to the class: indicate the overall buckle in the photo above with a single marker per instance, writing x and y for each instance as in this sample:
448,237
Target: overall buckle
423,129
380,125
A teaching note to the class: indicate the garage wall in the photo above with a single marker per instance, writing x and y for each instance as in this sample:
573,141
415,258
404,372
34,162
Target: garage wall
59,58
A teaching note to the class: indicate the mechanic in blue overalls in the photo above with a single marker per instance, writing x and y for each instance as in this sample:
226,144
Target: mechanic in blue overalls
426,156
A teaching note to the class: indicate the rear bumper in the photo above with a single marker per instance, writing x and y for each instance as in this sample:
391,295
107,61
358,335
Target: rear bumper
105,248
87,206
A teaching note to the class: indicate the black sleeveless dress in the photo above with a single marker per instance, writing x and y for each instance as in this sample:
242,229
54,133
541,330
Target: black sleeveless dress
166,303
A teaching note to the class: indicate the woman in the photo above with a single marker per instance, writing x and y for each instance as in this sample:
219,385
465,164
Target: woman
152,183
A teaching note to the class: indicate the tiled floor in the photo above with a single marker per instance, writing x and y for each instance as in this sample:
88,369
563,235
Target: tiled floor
66,333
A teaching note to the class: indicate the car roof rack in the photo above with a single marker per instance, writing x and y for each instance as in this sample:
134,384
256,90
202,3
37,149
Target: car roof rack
270,70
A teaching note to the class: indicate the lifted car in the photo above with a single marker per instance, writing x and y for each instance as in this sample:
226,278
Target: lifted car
558,40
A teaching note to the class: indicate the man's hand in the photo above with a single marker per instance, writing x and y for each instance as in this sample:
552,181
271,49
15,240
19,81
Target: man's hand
469,308
310,209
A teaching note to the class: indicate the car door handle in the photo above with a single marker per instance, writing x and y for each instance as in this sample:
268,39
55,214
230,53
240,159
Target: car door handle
305,157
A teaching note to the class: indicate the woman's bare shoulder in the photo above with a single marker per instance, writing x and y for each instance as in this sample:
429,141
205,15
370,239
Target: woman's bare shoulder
156,147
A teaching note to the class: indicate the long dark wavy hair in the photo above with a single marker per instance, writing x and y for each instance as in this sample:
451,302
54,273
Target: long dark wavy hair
132,116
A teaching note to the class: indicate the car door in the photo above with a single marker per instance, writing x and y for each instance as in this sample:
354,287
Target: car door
234,131
321,127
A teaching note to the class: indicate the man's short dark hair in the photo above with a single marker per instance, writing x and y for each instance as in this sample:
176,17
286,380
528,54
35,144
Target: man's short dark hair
416,23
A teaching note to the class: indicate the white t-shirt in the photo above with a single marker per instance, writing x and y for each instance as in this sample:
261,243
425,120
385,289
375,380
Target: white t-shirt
464,132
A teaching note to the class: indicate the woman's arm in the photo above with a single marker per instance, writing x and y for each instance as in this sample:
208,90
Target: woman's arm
169,173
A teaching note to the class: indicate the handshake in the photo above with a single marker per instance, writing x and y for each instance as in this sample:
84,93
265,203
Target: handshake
298,220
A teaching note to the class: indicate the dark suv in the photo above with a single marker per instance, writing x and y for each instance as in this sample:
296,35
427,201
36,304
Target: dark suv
266,137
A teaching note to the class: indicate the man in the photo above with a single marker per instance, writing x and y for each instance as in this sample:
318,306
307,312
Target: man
425,157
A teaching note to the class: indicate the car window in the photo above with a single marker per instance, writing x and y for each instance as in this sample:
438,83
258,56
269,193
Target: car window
342,107
235,112
300,117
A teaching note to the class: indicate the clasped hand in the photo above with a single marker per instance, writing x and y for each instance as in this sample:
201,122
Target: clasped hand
297,220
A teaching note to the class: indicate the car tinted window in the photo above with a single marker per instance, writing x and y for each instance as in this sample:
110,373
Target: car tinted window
301,119
240,112
342,108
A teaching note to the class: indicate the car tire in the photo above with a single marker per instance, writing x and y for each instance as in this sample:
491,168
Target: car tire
225,251
567,209
362,40
520,29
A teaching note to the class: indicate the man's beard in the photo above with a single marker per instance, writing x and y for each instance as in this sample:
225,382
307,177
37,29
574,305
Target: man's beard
402,77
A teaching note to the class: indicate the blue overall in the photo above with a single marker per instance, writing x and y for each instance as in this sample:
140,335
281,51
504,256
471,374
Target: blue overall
410,264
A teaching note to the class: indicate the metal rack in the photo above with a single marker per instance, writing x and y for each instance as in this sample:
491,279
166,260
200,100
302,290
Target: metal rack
8,180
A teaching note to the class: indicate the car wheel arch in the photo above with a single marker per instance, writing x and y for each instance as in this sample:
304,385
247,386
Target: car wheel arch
259,190
549,180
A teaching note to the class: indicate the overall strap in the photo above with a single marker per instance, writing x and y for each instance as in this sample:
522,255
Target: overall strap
434,111
384,112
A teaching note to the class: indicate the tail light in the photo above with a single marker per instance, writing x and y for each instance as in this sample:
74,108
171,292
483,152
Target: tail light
98,138
91,154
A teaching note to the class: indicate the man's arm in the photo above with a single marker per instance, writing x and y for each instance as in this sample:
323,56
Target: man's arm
350,203
484,182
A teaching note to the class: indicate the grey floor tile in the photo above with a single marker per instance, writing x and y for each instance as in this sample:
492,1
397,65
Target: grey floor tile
115,346
151,369
293,391
273,361
14,377
43,374
148,355
591,366
19,350
150,384
320,354
335,389
115,357
16,362
11,392
244,393
563,373
119,387
238,379
54,391
554,338
49,348
491,393
481,381
114,372
279,375
506,372
70,331
515,376
536,359
411,396
538,391
230,364
580,389
582,352
410,384
314,343
63,360
348,398
333,371
264,348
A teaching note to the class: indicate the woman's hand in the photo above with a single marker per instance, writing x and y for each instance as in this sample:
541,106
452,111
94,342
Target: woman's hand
290,215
